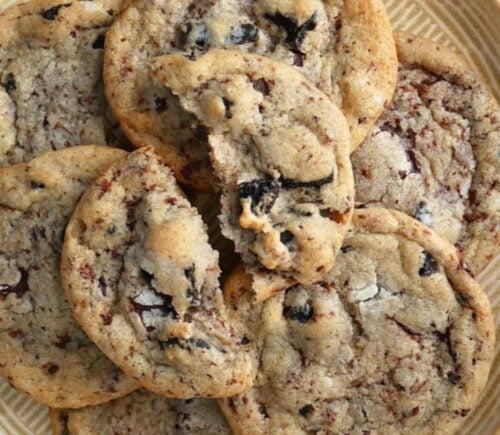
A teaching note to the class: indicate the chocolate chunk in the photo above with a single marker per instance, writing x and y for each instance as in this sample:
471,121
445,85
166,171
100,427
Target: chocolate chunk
262,86
102,285
51,368
295,34
316,184
228,105
306,410
165,307
453,377
347,248
244,34
9,83
298,59
36,185
429,266
171,342
192,292
62,341
245,340
416,166
195,34
286,237
160,104
19,289
301,314
202,344
51,13
422,213
263,411
462,412
263,194
99,42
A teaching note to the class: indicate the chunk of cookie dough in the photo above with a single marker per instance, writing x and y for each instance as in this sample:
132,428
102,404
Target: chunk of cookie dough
281,150
434,154
345,47
143,413
51,90
142,281
398,338
43,351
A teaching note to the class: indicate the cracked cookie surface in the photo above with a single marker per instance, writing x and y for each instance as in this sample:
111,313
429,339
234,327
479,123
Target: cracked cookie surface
143,413
398,338
142,281
44,352
281,150
51,90
434,153
344,47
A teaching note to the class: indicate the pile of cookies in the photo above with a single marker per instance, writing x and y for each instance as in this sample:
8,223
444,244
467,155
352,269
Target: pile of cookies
357,172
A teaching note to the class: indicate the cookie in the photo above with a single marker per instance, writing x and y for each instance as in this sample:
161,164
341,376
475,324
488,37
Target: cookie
281,150
142,281
346,48
143,413
398,338
434,152
51,90
44,352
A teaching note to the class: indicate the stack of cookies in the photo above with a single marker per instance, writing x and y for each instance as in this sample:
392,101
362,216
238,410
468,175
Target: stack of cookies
358,176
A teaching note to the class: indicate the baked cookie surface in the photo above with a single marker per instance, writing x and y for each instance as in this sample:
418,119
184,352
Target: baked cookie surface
142,281
434,153
43,351
346,48
281,151
398,338
51,90
143,413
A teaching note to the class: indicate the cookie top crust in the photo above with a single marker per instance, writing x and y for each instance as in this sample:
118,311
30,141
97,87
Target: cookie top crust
345,48
398,338
142,281
51,90
434,153
143,413
44,352
281,150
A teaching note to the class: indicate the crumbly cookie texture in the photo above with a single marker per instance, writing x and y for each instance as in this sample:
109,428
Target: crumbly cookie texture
281,150
142,281
344,47
398,338
434,152
44,352
142,413
51,90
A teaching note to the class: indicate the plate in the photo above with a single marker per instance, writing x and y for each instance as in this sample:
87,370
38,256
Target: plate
471,27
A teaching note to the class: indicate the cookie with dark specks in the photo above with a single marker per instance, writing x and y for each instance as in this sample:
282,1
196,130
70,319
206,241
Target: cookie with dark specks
43,351
51,90
434,153
142,281
143,413
398,338
344,47
281,149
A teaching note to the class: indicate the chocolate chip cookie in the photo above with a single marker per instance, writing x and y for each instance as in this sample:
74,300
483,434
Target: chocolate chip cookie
143,413
142,281
281,150
344,47
434,152
51,91
43,351
398,338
